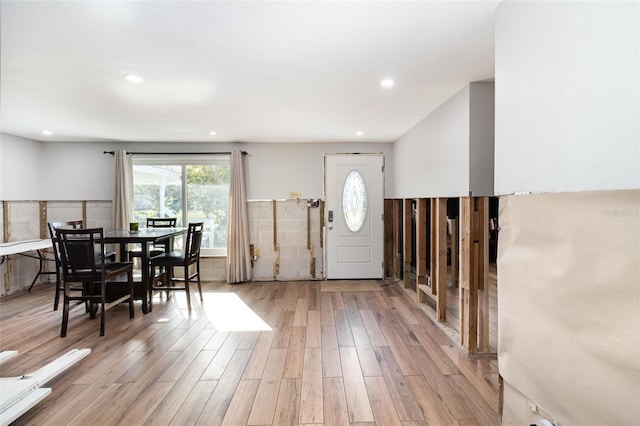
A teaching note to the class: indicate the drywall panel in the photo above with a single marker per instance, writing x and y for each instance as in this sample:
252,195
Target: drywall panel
20,163
567,96
432,159
481,136
569,298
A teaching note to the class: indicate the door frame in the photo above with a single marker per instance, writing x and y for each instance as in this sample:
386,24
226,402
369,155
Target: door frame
326,248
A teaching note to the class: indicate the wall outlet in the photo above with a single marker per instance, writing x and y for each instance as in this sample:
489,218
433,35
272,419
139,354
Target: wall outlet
294,195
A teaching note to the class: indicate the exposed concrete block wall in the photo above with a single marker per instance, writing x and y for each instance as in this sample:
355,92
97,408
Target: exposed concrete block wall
17,271
287,257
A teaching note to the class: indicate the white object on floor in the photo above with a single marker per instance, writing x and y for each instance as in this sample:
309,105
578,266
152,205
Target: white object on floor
19,394
7,355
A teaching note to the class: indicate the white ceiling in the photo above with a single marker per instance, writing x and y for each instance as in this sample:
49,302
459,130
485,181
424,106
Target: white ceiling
280,71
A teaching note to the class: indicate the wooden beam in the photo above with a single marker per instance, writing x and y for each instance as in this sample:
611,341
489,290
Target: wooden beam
321,223
275,223
482,216
407,252
432,245
421,240
474,264
397,239
440,249
421,245
308,228
6,232
44,230
468,285
388,239
455,252
276,246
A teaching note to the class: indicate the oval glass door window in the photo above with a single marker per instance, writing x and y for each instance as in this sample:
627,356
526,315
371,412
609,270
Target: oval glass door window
354,201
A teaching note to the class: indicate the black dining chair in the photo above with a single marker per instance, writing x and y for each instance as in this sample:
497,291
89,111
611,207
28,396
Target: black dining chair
83,263
161,247
70,224
166,262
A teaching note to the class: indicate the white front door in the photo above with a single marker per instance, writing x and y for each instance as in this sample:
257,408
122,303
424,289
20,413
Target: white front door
354,197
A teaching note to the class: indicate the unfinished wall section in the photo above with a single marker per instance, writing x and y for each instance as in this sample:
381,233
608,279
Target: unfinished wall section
286,238
27,220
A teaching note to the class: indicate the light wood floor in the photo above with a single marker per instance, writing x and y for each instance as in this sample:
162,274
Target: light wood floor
271,353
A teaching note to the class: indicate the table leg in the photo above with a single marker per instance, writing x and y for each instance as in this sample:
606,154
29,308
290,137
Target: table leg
41,260
123,252
147,305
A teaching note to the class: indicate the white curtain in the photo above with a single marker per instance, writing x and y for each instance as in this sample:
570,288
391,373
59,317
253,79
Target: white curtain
123,200
238,256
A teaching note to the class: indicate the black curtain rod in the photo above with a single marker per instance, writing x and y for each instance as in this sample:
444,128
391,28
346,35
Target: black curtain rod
173,153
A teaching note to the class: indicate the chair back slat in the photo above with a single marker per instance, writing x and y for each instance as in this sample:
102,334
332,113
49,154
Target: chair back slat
71,224
194,239
81,251
161,222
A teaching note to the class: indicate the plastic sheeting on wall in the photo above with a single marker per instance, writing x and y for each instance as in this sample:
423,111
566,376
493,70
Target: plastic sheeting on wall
569,303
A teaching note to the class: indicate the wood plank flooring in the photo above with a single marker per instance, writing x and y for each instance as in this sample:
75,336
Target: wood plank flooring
265,353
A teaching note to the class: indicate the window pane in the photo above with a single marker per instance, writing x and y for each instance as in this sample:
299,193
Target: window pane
208,200
157,192
354,201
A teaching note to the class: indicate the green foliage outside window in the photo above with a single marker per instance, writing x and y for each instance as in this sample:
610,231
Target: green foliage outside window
207,197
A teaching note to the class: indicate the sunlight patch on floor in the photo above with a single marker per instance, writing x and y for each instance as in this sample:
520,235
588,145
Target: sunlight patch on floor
227,312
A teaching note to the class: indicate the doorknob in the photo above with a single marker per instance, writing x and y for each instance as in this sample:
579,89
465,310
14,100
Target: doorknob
330,227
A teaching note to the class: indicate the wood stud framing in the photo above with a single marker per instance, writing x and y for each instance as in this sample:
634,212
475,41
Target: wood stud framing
421,244
397,239
407,234
44,231
439,267
474,241
276,246
469,260
389,240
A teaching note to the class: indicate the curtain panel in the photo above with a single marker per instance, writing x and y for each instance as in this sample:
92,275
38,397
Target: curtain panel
238,255
123,199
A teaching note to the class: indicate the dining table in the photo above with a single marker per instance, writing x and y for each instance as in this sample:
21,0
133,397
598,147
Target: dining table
145,237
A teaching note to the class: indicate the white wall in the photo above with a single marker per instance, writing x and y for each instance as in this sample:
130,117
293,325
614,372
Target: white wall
450,152
481,137
567,91
80,171
433,157
275,169
20,162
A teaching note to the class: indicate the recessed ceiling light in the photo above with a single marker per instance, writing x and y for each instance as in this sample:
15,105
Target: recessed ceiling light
133,78
47,132
213,133
387,83
359,133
